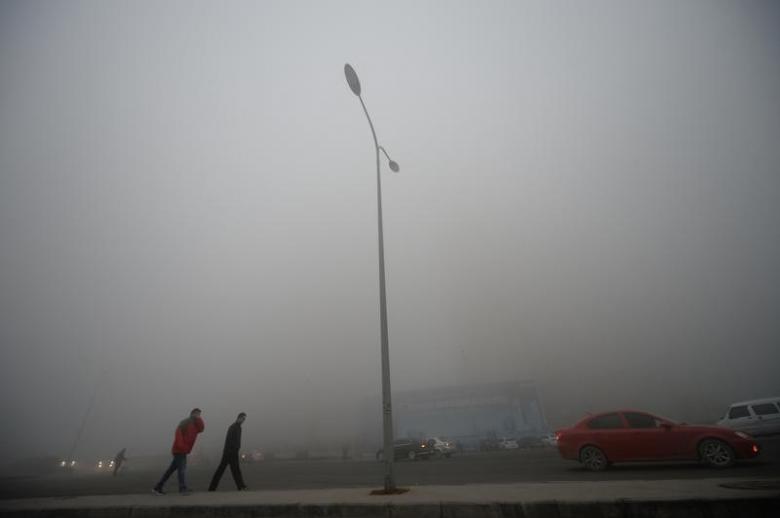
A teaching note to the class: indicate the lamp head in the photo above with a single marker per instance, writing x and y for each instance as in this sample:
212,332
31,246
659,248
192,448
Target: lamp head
352,79
394,166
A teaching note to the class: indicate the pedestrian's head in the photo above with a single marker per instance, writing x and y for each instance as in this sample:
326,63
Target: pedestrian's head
241,417
195,412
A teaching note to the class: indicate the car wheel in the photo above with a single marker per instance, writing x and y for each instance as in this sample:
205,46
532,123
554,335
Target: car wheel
411,455
716,453
593,458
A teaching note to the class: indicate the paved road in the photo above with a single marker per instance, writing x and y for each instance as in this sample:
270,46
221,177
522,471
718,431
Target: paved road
535,465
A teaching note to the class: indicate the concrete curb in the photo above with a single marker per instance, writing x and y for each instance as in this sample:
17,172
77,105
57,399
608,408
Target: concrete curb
699,498
755,507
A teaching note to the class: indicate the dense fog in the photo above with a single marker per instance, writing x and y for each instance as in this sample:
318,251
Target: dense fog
588,198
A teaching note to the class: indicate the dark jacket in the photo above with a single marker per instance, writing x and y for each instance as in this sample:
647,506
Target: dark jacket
233,438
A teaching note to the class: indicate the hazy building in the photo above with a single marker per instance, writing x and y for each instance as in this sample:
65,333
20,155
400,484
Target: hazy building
465,413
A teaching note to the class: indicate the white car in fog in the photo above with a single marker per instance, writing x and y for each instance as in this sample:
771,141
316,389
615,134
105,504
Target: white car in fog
549,440
508,443
441,448
755,417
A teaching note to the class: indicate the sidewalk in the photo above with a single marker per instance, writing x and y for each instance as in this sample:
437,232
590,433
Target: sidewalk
705,497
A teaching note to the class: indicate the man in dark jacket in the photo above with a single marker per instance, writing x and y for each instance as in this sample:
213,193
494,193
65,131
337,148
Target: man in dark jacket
183,441
230,456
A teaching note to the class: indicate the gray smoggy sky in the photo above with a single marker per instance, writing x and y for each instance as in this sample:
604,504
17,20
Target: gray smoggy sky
588,197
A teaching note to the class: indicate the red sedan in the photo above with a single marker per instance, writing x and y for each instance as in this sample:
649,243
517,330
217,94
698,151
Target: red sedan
630,436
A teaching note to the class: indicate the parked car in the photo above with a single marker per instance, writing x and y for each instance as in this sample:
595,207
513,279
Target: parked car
104,465
549,440
488,444
441,447
408,449
68,465
630,436
253,456
529,442
756,417
508,444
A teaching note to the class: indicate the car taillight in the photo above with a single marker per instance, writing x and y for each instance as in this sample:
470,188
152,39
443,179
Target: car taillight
755,448
558,436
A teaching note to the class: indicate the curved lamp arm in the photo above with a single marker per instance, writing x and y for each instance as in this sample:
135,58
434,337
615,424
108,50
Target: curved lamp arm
393,164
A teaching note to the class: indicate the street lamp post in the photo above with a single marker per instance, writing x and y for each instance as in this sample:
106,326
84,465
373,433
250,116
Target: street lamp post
387,407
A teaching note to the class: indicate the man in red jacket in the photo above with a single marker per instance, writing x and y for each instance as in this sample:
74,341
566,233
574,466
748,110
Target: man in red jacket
184,440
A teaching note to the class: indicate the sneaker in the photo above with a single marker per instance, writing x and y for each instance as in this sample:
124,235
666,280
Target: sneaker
158,492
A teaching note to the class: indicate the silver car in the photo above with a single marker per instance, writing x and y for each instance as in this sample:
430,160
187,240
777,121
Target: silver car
755,417
441,447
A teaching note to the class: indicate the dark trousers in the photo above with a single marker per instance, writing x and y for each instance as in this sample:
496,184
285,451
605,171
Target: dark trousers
179,464
228,458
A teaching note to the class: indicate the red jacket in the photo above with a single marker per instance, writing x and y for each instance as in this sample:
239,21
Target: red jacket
186,433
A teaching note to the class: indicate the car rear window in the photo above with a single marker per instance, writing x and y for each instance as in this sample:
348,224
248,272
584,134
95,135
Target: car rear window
738,411
605,422
636,420
765,409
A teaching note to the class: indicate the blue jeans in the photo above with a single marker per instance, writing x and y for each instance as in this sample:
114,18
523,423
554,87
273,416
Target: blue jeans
179,463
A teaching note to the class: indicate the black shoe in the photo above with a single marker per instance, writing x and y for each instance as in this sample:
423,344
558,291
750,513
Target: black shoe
242,488
158,492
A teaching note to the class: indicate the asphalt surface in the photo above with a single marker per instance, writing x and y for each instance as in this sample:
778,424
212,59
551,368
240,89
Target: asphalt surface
500,467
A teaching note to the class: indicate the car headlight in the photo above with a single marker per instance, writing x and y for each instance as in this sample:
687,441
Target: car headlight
743,435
